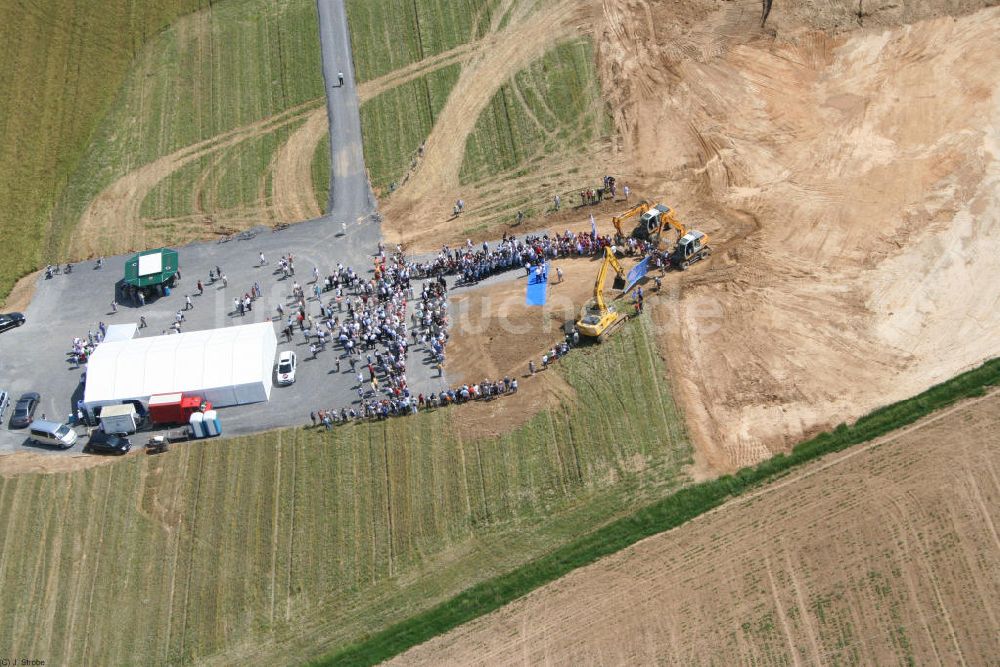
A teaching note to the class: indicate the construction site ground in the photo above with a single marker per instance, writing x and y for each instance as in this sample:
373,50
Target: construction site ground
884,554
844,165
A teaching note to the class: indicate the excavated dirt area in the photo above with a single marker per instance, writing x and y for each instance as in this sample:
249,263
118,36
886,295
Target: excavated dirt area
884,554
844,161
494,334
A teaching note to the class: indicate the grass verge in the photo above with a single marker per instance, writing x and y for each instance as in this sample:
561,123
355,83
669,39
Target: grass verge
321,172
660,516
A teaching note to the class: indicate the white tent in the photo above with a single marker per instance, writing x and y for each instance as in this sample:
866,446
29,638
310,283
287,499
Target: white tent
120,332
230,366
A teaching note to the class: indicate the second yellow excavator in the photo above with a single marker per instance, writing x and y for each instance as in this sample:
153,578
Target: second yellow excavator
598,320
690,247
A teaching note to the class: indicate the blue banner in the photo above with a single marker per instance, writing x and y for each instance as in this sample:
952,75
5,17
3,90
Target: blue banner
636,274
538,281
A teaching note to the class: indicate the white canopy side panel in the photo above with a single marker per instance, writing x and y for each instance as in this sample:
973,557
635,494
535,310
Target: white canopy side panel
268,350
226,365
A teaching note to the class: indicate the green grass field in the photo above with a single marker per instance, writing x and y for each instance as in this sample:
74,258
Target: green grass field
546,110
217,70
321,172
293,543
61,65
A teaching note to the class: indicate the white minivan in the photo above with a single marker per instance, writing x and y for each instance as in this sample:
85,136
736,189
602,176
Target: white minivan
52,433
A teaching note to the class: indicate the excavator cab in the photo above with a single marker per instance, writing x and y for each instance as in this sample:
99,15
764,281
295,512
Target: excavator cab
692,247
649,223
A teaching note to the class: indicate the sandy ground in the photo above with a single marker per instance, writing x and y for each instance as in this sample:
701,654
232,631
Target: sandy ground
21,463
883,554
845,165
851,182
494,334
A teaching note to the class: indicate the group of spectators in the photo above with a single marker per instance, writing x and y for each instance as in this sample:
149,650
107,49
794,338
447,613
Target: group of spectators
375,324
83,347
407,404
473,263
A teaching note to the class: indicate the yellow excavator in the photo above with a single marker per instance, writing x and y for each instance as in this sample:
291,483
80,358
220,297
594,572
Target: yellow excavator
631,213
599,320
690,247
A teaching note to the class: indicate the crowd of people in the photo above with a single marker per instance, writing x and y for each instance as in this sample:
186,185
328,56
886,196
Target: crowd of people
473,263
367,321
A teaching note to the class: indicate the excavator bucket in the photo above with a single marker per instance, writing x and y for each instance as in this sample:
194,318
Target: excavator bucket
619,283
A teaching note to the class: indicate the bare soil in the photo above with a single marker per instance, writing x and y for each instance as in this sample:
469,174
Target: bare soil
843,160
494,334
884,554
21,463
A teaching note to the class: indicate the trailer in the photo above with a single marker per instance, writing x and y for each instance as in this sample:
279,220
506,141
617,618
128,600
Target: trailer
120,419
175,408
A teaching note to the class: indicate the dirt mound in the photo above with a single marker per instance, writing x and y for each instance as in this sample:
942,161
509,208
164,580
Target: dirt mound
849,181
880,555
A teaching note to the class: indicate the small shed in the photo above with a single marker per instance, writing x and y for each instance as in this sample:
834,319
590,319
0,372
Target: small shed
152,267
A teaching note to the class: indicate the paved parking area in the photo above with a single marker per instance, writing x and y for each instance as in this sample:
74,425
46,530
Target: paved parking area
35,357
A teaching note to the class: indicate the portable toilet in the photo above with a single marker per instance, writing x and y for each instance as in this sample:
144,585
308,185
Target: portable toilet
212,425
197,422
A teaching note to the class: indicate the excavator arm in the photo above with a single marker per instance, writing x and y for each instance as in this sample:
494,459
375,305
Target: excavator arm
668,220
609,261
630,213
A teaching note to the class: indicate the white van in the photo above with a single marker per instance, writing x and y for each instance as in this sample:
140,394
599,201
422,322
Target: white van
52,433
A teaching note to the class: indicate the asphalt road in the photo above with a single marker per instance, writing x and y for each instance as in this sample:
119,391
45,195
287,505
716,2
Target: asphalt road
34,357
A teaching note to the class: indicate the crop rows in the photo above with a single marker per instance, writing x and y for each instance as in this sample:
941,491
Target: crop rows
210,72
313,539
62,63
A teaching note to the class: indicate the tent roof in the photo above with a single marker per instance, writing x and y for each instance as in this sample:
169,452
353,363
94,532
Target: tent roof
151,267
195,361
119,332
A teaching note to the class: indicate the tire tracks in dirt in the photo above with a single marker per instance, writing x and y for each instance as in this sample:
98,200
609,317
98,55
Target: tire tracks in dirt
291,171
112,223
527,37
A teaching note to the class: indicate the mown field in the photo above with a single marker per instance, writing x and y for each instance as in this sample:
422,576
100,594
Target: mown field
250,66
544,112
292,543
61,64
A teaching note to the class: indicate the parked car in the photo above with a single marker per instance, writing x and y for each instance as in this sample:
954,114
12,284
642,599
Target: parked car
10,320
24,410
286,367
44,432
109,443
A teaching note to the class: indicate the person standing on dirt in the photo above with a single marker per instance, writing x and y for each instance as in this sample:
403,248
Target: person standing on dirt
559,274
263,261
625,191
340,79
557,201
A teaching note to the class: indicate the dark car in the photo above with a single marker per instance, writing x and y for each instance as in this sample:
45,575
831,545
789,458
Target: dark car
24,411
108,443
10,321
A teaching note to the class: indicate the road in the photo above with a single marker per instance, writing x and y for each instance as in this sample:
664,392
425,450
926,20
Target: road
350,192
34,356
